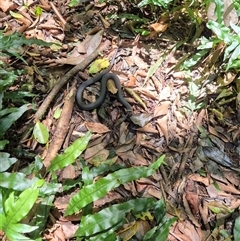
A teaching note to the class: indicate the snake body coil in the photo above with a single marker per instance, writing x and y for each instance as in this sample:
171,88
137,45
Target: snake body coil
103,77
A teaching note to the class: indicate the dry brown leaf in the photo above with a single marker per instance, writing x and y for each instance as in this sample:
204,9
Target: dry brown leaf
125,147
226,79
92,151
228,188
101,157
235,203
56,233
154,192
109,198
166,93
140,62
131,81
197,178
130,186
128,157
140,160
162,24
193,202
216,133
149,128
97,127
232,178
214,193
68,228
68,172
162,109
94,42
162,123
6,5
189,212
188,232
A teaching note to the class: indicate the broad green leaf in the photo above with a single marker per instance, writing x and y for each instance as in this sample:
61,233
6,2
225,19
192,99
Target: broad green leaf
3,220
40,218
40,133
1,204
87,179
219,10
8,111
159,210
224,93
235,64
110,217
221,31
107,235
7,121
15,236
229,49
162,231
15,181
235,28
18,182
9,202
100,188
6,161
150,233
8,78
1,98
11,43
70,154
18,95
34,167
22,206
234,56
23,228
187,64
236,229
160,3
3,143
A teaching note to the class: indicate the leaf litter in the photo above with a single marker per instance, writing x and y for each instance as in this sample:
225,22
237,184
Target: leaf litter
197,181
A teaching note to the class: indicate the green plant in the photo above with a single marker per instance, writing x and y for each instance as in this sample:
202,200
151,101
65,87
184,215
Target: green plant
8,115
17,192
10,45
236,230
227,36
15,208
159,3
99,226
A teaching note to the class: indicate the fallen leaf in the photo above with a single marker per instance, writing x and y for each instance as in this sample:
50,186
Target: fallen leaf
162,109
97,127
162,124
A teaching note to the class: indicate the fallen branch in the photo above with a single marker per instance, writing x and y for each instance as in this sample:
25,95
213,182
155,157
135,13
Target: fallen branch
62,127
